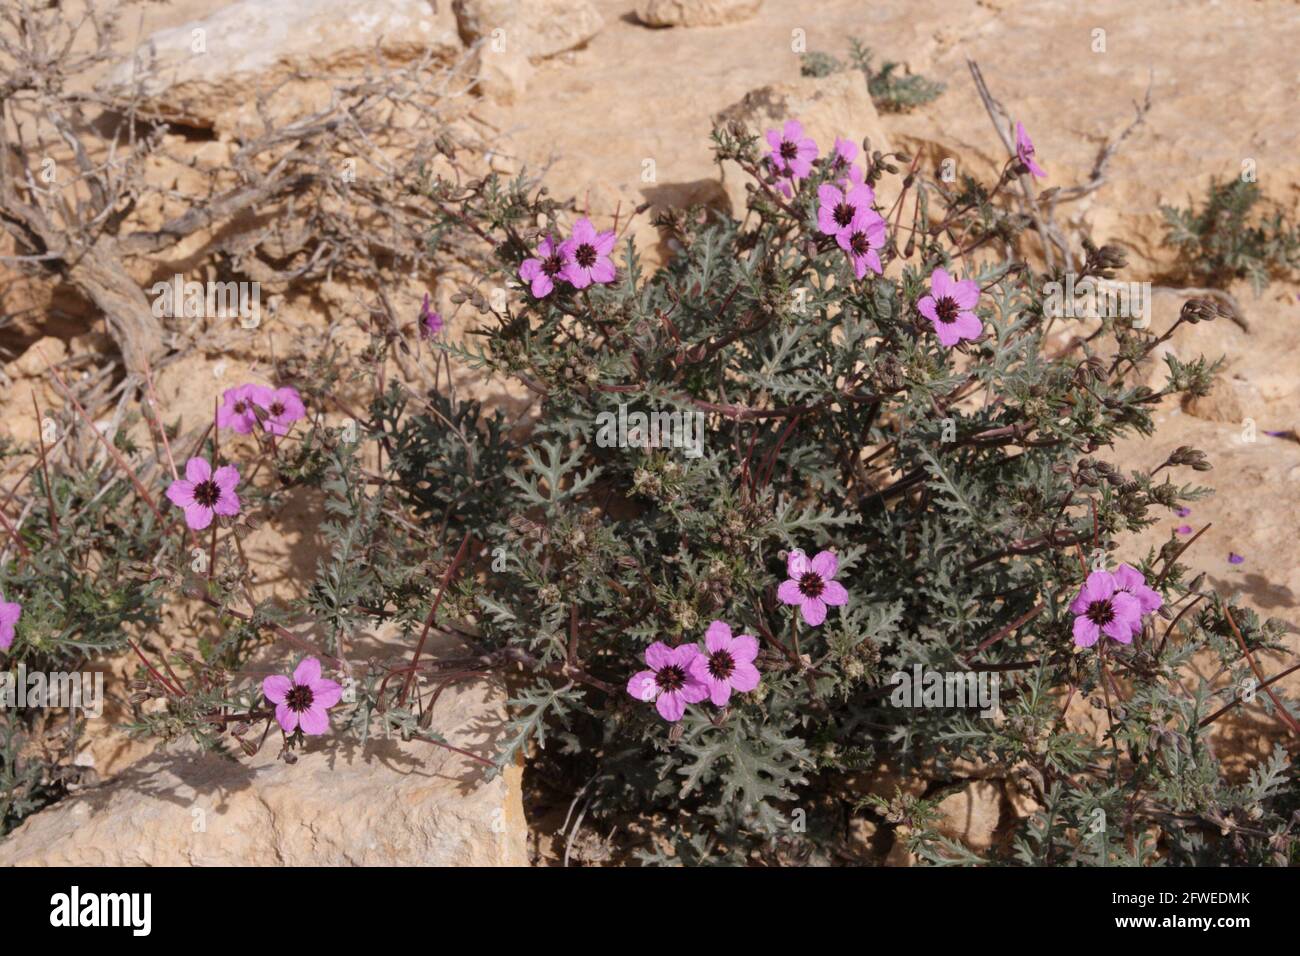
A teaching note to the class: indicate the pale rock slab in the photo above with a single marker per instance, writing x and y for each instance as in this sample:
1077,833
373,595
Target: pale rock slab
695,13
208,72
387,804
535,28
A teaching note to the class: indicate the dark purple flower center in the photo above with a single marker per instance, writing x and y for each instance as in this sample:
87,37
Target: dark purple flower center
844,214
670,678
276,409
585,255
721,665
300,698
789,150
1100,613
946,308
207,493
859,244
811,585
552,264
240,407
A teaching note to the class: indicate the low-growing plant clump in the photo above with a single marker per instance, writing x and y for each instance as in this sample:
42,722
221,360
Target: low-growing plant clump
823,446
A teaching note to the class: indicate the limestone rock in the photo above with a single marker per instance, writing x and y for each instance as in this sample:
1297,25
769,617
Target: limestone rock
695,13
971,815
1229,402
536,28
391,803
502,76
208,72
828,107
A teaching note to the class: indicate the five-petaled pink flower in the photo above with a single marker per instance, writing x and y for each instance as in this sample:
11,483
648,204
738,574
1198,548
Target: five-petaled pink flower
792,153
542,270
430,321
237,411
283,407
949,307
727,663
302,701
1025,152
587,252
1102,607
861,239
1130,579
203,494
10,612
810,585
670,682
838,209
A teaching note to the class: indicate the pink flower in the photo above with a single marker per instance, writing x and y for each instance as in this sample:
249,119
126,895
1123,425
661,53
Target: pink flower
949,307
588,252
1130,579
303,700
283,407
838,209
430,321
1184,529
1182,511
1234,558
1102,607
9,615
203,494
810,585
236,411
727,664
541,271
792,153
670,681
861,239
1025,152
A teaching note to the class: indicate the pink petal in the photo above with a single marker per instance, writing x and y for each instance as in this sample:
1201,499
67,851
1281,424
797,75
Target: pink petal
658,655
542,286
694,690
793,130
745,676
789,592
604,242
314,721
947,333
325,693
198,516
530,269
968,325
744,648
642,686
276,688
719,692
671,706
926,306
718,637
825,564
966,294
834,594
198,470
814,611
1085,632
796,564
940,283
307,672
603,271
181,493
286,717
